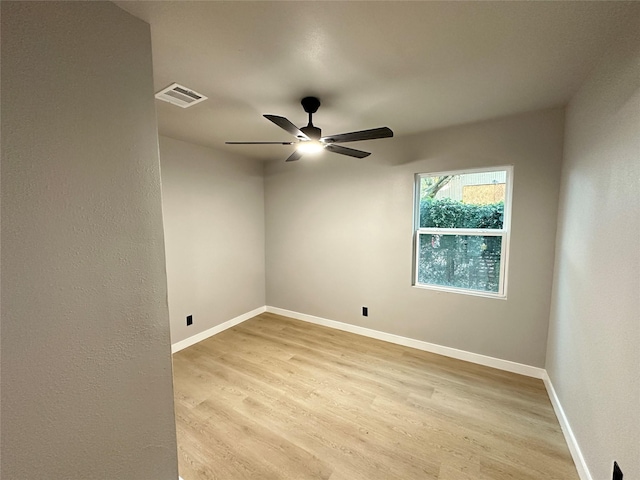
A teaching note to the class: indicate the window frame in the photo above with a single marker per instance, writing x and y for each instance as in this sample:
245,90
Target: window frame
504,232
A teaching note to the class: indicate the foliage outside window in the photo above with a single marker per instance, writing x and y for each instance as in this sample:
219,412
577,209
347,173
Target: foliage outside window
462,230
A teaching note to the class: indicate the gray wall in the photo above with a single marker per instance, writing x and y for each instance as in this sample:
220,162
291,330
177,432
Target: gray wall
213,205
593,356
86,366
339,236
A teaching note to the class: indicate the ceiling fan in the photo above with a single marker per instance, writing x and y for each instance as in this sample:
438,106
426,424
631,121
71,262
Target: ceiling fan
310,139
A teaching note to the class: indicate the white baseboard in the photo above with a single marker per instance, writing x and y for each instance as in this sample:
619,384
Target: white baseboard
198,337
498,363
572,443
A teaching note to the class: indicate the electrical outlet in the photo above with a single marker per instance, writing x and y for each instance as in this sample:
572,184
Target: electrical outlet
617,473
189,320
365,311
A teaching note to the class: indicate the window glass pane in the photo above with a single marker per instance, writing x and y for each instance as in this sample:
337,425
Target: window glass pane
460,261
465,200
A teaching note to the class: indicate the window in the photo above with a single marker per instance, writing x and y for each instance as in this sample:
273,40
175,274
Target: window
462,222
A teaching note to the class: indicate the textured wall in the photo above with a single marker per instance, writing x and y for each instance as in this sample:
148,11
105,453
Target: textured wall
86,367
213,205
593,355
339,236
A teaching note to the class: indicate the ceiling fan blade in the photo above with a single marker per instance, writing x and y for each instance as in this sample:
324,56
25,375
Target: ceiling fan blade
259,143
296,155
286,125
347,151
382,132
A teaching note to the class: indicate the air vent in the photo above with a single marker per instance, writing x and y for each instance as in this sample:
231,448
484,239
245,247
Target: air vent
180,96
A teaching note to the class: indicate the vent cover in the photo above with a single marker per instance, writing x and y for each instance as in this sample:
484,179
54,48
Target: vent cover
180,96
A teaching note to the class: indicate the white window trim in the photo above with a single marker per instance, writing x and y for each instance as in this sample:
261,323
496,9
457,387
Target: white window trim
505,232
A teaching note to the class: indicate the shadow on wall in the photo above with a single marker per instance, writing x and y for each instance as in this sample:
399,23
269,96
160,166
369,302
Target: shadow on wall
443,147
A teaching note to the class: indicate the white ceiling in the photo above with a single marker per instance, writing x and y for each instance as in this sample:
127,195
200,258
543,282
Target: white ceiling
411,66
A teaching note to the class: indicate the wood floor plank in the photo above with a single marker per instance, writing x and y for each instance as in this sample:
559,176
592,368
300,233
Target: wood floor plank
276,398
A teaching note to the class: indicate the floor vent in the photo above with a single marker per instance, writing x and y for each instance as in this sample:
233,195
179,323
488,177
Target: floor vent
180,96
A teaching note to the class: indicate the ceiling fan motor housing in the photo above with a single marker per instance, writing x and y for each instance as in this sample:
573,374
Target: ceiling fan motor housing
314,133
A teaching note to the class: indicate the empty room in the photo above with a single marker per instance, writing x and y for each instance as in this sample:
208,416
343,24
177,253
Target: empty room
320,240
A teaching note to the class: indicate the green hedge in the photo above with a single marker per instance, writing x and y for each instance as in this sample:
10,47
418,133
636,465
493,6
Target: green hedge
447,213
460,261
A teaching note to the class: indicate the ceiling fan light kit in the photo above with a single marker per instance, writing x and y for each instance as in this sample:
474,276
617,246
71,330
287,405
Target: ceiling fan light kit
310,139
309,147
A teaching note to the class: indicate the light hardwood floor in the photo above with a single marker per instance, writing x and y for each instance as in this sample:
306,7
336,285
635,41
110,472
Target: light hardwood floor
276,398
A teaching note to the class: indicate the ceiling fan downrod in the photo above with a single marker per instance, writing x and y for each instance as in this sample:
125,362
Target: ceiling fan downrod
311,105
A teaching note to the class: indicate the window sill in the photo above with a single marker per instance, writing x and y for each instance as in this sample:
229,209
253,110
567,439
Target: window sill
474,293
